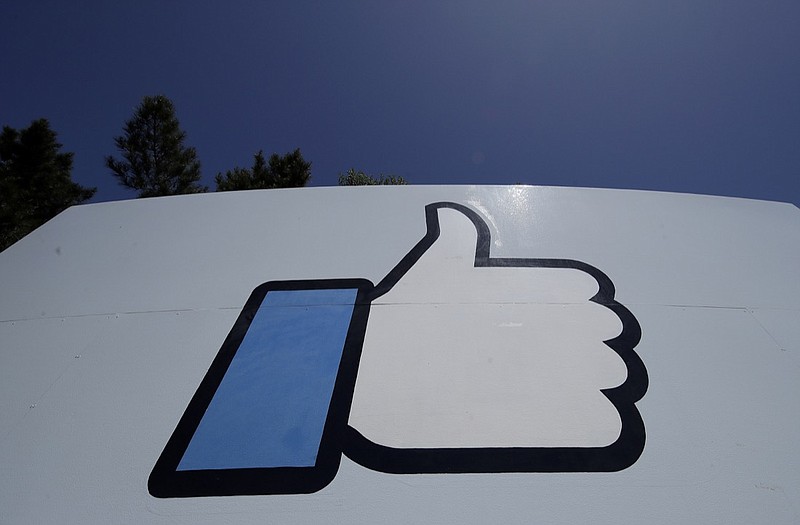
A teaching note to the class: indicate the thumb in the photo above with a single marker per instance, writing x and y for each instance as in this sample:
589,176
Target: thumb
456,239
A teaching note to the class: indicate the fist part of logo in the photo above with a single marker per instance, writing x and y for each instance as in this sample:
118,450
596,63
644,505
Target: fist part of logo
455,362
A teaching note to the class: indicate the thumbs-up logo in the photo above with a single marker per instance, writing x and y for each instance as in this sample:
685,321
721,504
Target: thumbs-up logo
455,362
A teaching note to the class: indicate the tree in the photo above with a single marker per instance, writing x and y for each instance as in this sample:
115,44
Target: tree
154,160
282,171
359,178
35,180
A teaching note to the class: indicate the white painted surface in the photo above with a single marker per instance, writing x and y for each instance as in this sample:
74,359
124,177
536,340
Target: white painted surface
459,356
146,291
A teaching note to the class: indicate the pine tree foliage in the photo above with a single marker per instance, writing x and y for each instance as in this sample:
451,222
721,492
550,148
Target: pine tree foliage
35,180
155,161
281,171
359,178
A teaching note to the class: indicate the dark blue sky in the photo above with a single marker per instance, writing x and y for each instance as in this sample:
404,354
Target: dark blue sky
680,95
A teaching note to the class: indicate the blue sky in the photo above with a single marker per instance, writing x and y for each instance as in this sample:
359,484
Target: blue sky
681,95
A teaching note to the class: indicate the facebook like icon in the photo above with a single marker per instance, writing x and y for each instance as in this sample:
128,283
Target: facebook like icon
455,362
